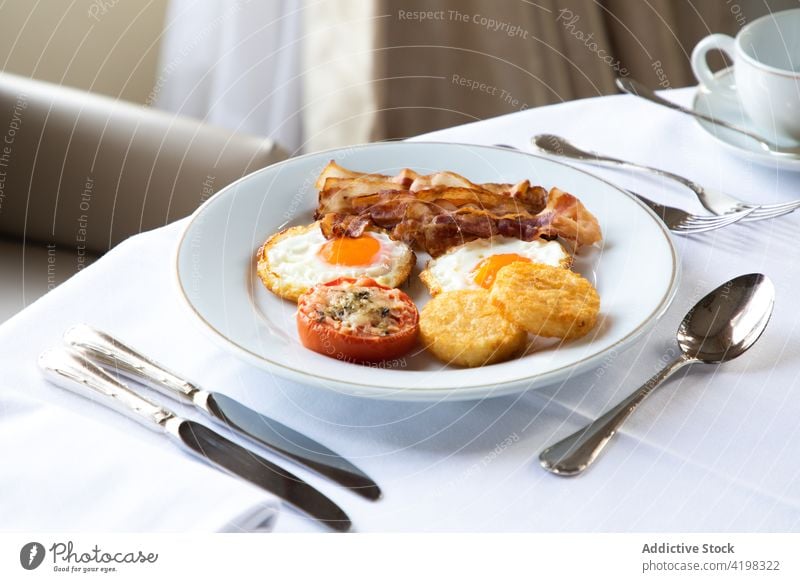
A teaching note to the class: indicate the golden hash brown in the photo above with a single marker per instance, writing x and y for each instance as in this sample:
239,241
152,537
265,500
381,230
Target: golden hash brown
464,328
546,301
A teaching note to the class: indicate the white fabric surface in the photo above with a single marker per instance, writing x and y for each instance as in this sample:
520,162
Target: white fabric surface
69,464
713,450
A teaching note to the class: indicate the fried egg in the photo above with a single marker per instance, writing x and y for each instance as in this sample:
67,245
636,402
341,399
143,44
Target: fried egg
296,259
474,265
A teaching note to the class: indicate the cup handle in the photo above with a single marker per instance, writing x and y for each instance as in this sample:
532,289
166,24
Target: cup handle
721,42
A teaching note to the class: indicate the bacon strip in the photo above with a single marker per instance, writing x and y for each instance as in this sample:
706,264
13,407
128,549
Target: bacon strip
333,170
345,196
570,220
335,225
438,211
334,178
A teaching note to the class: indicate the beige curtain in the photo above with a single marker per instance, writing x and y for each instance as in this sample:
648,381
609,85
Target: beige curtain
439,63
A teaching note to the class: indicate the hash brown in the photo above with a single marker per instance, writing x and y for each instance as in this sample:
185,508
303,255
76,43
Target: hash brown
464,328
546,301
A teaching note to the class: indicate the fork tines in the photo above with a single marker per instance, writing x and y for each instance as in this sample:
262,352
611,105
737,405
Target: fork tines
696,224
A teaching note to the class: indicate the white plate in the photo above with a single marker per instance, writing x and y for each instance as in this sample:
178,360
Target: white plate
726,107
635,271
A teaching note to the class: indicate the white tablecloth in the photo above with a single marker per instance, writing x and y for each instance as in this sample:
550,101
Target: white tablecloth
716,449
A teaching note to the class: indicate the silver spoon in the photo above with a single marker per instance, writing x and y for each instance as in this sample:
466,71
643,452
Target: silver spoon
723,325
634,87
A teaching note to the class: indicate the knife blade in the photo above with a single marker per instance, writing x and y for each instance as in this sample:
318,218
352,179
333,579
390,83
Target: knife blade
71,370
288,442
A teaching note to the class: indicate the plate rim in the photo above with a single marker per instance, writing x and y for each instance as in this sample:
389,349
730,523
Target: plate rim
414,393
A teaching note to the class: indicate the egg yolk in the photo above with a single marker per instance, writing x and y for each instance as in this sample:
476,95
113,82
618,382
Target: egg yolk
486,270
350,252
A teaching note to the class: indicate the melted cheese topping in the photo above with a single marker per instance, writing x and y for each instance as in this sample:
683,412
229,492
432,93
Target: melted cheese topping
358,310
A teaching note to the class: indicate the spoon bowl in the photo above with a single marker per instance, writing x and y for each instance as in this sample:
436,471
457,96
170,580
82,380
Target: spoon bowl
727,322
721,326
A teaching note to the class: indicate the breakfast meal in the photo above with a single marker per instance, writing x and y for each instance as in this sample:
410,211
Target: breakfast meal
500,269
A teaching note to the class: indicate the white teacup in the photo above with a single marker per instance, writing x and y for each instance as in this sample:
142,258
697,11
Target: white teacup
766,63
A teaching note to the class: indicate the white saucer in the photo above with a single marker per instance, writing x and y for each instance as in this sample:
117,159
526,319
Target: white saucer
726,107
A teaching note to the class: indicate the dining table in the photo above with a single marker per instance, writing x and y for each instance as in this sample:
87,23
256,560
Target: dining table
714,450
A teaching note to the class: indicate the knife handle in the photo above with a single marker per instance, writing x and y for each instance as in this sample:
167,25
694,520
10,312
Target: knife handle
110,352
72,371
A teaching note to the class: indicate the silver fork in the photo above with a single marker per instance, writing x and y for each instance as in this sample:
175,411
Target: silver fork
713,200
681,222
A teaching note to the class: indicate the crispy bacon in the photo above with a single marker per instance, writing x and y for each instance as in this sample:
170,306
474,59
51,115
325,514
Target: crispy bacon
345,196
442,179
333,170
335,225
438,211
336,182
438,232
570,220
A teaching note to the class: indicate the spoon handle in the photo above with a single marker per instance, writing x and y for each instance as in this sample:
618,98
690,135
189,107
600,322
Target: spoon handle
575,453
633,87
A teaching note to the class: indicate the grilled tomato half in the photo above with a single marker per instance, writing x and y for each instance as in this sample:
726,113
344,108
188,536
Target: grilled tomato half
357,320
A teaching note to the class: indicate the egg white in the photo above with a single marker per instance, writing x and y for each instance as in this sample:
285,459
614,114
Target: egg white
295,259
455,269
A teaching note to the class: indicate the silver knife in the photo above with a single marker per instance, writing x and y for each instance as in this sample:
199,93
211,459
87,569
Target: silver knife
71,370
112,353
